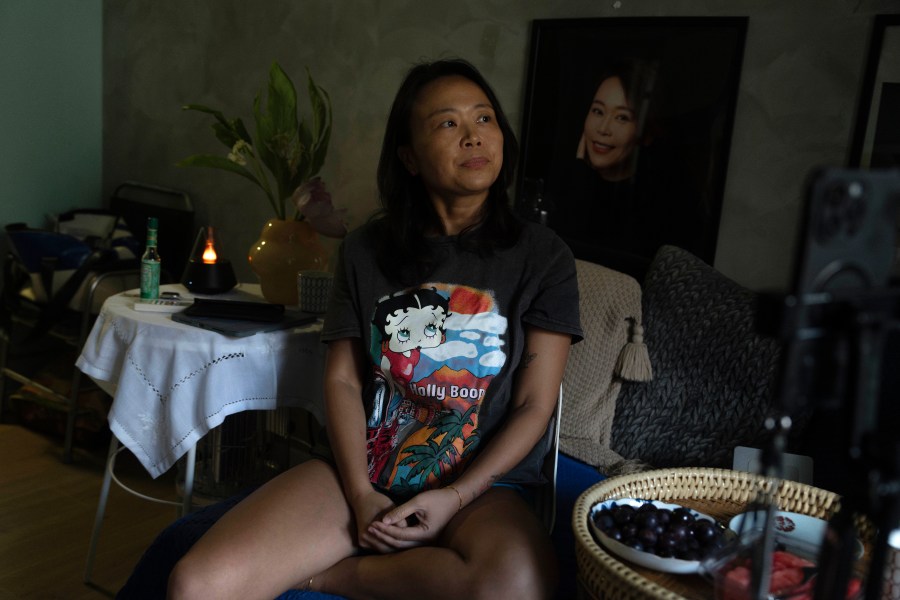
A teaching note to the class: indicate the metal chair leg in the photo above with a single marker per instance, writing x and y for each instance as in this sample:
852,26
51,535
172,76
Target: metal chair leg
184,507
70,417
188,492
101,507
83,330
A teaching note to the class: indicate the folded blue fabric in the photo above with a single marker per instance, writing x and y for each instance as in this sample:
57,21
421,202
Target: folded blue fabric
34,245
572,478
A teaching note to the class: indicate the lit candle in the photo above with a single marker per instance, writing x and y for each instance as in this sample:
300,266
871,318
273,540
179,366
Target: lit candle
209,253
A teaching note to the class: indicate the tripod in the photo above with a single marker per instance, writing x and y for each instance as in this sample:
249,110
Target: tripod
834,329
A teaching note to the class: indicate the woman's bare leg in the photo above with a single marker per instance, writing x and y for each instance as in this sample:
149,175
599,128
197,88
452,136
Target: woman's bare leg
494,548
294,526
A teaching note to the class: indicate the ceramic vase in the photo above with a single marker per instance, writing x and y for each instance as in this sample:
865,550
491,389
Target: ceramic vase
283,249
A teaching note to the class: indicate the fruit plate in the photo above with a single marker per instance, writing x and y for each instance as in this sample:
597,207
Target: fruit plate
801,534
642,557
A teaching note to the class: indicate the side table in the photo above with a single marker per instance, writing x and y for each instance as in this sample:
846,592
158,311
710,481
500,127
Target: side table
173,383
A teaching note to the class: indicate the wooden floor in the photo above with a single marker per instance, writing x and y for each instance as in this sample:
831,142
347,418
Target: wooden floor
47,511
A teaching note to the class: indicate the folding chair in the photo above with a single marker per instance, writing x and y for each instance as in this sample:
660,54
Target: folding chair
55,282
545,499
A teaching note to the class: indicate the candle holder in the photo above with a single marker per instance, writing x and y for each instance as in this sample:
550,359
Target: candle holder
206,271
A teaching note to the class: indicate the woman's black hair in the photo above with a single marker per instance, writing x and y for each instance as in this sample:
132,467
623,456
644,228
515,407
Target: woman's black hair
406,214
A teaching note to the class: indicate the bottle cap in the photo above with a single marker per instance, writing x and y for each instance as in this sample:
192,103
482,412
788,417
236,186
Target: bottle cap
152,223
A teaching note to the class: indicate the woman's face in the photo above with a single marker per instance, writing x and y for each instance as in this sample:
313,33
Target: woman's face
456,145
610,130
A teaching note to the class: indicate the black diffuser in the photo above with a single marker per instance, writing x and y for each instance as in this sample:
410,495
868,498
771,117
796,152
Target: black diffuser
206,271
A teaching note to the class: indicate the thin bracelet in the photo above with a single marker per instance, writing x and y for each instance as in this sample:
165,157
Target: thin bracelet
458,495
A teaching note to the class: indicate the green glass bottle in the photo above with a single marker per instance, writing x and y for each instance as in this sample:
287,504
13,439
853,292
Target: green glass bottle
150,264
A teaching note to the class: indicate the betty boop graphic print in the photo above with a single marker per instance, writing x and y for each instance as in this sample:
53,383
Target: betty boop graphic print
434,351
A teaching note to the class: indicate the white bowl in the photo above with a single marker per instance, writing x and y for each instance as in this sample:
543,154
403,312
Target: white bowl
799,533
638,557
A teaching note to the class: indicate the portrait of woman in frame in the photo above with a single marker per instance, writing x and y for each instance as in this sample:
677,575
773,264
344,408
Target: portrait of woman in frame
626,133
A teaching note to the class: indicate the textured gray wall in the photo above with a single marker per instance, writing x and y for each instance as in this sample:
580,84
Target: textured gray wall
796,108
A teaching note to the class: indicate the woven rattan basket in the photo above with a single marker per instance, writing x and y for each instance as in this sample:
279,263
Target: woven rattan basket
719,493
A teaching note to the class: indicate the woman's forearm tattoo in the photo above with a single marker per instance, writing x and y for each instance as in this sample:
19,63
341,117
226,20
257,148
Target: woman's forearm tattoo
528,358
490,483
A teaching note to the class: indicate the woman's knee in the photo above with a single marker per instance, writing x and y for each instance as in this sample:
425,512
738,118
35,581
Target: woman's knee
189,580
184,582
520,573
522,583
506,550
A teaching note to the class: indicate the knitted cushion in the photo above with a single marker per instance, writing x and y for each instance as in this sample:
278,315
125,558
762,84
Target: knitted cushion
714,375
610,306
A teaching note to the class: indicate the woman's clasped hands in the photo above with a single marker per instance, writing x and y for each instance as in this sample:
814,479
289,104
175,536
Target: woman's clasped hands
416,522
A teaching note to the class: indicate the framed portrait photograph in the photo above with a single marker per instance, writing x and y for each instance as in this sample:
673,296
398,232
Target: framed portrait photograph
876,137
626,133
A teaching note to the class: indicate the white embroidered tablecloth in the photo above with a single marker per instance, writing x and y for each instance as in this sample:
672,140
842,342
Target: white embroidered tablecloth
171,383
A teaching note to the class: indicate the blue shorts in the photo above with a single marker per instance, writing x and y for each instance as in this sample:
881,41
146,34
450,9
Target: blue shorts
528,493
516,487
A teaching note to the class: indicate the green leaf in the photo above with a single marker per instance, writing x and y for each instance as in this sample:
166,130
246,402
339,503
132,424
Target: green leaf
277,131
305,141
320,107
200,108
226,135
265,132
227,131
220,162
237,126
282,101
321,150
217,162
321,104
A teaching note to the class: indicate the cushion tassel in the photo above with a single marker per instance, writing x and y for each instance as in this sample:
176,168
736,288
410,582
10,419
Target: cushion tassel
633,363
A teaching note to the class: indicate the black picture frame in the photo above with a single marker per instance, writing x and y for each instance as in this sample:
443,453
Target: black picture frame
671,193
876,136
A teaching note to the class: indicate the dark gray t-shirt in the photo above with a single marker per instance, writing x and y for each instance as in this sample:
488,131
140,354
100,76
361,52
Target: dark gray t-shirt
441,356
